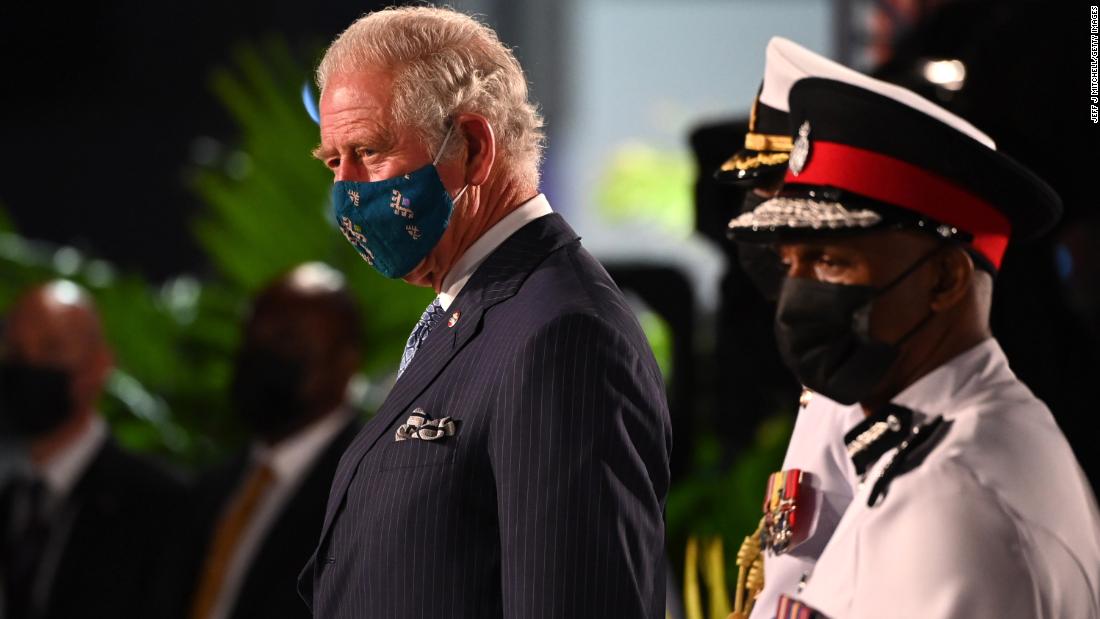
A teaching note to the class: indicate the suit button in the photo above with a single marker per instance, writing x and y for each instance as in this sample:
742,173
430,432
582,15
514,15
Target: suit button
330,560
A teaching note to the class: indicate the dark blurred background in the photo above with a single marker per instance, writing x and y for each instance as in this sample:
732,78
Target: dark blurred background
158,154
104,105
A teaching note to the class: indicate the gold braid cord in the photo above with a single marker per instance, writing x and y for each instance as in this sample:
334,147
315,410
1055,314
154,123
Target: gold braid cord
750,575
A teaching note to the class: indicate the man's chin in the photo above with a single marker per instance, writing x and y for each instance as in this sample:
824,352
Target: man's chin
419,276
417,281
431,271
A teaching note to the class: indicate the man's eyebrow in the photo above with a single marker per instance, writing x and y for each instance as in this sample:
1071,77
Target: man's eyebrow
320,152
377,139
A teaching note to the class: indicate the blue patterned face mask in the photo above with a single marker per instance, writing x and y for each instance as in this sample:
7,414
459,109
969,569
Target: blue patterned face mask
395,223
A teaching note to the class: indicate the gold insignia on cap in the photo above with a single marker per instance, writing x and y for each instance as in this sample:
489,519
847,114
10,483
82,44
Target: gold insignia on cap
749,162
767,141
752,113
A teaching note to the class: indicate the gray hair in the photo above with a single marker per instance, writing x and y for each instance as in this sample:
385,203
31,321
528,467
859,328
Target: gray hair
443,63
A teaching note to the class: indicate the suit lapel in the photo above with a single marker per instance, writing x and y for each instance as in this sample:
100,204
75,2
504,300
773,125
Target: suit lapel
84,514
497,279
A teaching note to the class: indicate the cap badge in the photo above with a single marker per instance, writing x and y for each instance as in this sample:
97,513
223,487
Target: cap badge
800,153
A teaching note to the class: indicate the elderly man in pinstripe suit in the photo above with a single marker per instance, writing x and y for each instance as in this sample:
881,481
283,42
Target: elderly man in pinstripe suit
519,467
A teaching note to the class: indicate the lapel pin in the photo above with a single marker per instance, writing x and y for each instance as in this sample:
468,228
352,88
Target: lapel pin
454,319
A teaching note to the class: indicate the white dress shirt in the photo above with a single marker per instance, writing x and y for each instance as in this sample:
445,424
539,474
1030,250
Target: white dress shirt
62,472
998,519
290,460
817,447
477,253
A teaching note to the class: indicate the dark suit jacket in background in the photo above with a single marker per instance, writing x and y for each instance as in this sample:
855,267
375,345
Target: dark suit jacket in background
268,590
124,514
548,500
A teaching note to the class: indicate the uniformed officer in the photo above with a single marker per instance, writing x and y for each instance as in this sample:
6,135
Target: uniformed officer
817,449
892,221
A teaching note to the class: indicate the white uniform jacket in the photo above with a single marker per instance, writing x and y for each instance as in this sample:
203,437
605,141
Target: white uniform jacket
817,447
990,517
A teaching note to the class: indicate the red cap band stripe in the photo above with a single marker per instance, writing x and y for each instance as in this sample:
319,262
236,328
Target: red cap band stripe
893,181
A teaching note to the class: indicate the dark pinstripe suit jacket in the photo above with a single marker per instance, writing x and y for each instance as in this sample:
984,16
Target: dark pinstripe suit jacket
548,500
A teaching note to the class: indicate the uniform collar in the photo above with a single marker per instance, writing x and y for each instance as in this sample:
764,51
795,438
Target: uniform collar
462,270
943,392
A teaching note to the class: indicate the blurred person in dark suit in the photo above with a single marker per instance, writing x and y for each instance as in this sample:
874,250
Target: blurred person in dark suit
520,464
261,513
83,525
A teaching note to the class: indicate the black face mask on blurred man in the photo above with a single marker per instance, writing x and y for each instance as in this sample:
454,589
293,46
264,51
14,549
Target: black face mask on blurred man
34,399
267,391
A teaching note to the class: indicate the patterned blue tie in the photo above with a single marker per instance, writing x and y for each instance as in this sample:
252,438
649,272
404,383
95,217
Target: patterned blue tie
419,334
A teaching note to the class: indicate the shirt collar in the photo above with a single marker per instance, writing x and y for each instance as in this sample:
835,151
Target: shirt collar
291,456
62,472
477,253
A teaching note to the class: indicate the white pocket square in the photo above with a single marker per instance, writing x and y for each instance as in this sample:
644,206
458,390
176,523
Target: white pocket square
420,426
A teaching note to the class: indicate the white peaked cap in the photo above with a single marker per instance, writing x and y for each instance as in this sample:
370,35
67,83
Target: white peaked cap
786,62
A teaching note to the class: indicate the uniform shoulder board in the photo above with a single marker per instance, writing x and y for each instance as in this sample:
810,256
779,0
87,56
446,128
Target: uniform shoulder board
887,428
912,451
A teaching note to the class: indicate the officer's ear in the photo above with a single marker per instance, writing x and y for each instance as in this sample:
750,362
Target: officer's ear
954,273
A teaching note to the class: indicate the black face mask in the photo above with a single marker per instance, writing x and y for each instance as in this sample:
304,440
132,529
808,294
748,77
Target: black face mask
34,400
759,261
823,332
267,391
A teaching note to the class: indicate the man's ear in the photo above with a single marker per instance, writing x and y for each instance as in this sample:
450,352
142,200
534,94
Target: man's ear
480,146
954,271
